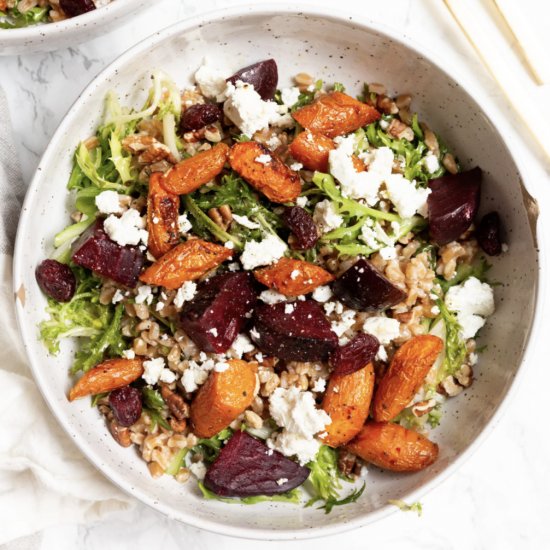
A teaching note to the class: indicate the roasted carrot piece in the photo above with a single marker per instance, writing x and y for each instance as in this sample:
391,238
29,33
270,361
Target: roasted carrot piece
408,369
312,149
347,402
293,277
223,397
273,178
358,164
162,217
392,447
185,262
107,376
335,114
189,174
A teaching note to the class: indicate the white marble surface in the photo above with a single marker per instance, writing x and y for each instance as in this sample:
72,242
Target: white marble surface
500,497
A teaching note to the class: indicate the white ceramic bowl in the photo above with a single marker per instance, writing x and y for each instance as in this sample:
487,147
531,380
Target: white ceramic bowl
72,31
334,48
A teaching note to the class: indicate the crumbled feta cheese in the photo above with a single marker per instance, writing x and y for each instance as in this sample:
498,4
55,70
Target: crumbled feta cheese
289,308
388,253
213,331
211,81
233,266
107,202
152,369
196,373
254,333
240,346
273,142
296,412
229,244
167,376
322,294
289,96
185,293
144,295
263,159
259,357
431,163
319,386
382,354
383,328
342,325
221,366
472,301
296,166
302,202
198,469
406,197
129,229
118,296
245,222
473,358
265,252
326,217
435,310
282,480
129,354
248,111
184,225
272,297
159,306
294,274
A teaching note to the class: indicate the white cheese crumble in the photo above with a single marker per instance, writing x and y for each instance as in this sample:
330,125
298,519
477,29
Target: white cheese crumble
245,221
282,480
229,244
221,366
472,301
294,274
289,96
240,346
344,323
198,469
296,166
129,229
383,328
272,297
129,354
388,253
319,386
322,294
211,81
185,293
154,370
107,202
118,296
289,308
263,159
265,252
144,295
273,142
302,201
431,163
184,225
295,411
254,333
326,217
406,198
197,372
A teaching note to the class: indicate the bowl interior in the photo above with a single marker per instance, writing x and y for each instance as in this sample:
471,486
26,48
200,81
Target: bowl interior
334,49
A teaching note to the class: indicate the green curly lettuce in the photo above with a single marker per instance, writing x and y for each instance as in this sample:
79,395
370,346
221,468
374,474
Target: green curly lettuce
14,19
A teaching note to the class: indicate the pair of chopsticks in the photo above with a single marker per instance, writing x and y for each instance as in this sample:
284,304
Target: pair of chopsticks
506,42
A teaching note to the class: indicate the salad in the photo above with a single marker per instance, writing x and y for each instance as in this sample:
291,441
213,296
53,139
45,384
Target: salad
15,14
273,289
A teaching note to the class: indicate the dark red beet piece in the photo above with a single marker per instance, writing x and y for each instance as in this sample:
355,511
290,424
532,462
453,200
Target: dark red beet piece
302,226
126,404
76,7
355,355
488,234
216,315
453,204
302,335
364,288
94,250
56,280
263,76
199,116
246,467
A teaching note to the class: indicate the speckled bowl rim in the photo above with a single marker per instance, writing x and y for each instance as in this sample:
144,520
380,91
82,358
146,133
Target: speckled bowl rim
13,37
359,22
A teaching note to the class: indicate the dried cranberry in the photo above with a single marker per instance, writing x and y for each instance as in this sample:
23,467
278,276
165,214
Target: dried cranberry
302,226
199,116
76,7
488,234
126,405
56,280
263,76
245,467
364,288
355,355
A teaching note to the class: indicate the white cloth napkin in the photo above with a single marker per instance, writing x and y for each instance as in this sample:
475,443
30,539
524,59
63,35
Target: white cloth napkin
44,480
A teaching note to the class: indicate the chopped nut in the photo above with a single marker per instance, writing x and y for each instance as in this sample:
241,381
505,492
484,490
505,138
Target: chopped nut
377,88
155,469
346,462
423,407
405,116
176,404
178,426
449,163
303,80
464,376
253,420
400,131
403,101
91,142
386,105
221,216
120,434
430,139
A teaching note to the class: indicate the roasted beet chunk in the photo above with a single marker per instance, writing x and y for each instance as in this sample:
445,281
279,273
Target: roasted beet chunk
488,234
302,226
246,467
453,204
76,7
355,355
263,76
304,334
199,116
56,280
94,250
126,405
364,288
216,315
